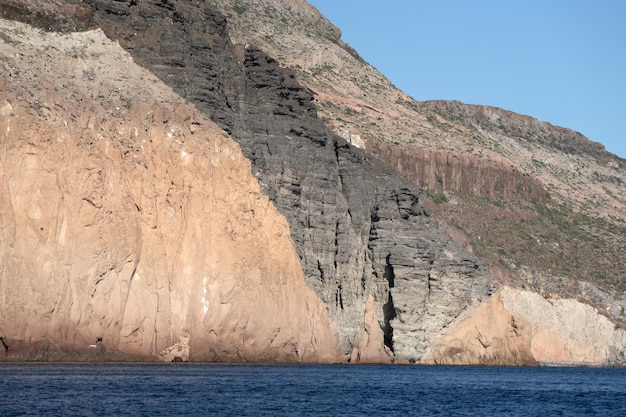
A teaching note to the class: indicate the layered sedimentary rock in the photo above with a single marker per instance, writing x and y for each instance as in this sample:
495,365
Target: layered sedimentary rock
359,228
130,222
519,327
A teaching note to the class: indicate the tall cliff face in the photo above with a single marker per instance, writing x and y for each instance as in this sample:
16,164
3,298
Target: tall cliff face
156,238
359,228
542,205
129,220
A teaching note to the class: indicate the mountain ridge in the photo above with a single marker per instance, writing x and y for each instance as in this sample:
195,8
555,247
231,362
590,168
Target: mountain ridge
362,106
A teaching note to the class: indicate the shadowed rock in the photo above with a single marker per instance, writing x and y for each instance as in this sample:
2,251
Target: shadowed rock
351,217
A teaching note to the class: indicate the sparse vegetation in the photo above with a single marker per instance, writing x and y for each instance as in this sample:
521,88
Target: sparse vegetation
437,198
544,238
320,69
239,9
409,104
596,176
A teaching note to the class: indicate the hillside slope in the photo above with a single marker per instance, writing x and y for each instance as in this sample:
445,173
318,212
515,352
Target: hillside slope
544,206
397,283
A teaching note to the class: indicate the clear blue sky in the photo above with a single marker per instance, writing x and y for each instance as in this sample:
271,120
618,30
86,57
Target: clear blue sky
560,61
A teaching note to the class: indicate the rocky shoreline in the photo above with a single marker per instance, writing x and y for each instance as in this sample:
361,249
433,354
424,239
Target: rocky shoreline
172,195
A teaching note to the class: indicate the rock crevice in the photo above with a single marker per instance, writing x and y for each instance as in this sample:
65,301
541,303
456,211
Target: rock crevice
329,191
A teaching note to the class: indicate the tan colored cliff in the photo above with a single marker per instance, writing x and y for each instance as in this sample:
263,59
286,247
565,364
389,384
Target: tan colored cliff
517,327
128,221
490,335
369,345
566,331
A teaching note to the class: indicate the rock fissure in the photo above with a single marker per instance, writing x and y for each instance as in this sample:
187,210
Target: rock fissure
4,344
389,314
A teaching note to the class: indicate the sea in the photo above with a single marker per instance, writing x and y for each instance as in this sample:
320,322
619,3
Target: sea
191,389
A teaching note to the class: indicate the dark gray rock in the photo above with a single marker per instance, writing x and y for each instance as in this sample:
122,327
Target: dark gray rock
359,228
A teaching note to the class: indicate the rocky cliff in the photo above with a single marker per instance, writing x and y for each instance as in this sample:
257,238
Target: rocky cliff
493,165
540,204
180,217
522,328
130,221
359,228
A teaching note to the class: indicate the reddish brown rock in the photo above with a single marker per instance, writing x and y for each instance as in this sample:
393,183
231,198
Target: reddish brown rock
447,171
129,220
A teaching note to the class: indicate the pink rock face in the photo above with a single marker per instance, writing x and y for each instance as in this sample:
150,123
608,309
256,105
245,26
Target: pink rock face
128,220
517,327
370,346
490,335
567,331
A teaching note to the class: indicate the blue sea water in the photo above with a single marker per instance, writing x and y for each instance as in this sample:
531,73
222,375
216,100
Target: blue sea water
42,389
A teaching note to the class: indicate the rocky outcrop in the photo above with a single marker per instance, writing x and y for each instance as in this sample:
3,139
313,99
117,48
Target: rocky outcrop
572,168
57,15
566,331
486,335
369,346
359,228
442,171
128,219
522,328
178,352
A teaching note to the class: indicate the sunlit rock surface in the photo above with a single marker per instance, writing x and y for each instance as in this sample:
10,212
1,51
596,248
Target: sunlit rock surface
519,327
128,219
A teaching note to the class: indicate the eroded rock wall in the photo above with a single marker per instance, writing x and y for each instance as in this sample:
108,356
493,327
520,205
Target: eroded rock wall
152,238
359,228
446,171
518,327
566,331
129,221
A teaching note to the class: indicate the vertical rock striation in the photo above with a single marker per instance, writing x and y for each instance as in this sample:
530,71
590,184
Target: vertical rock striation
153,239
360,230
442,171
129,221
